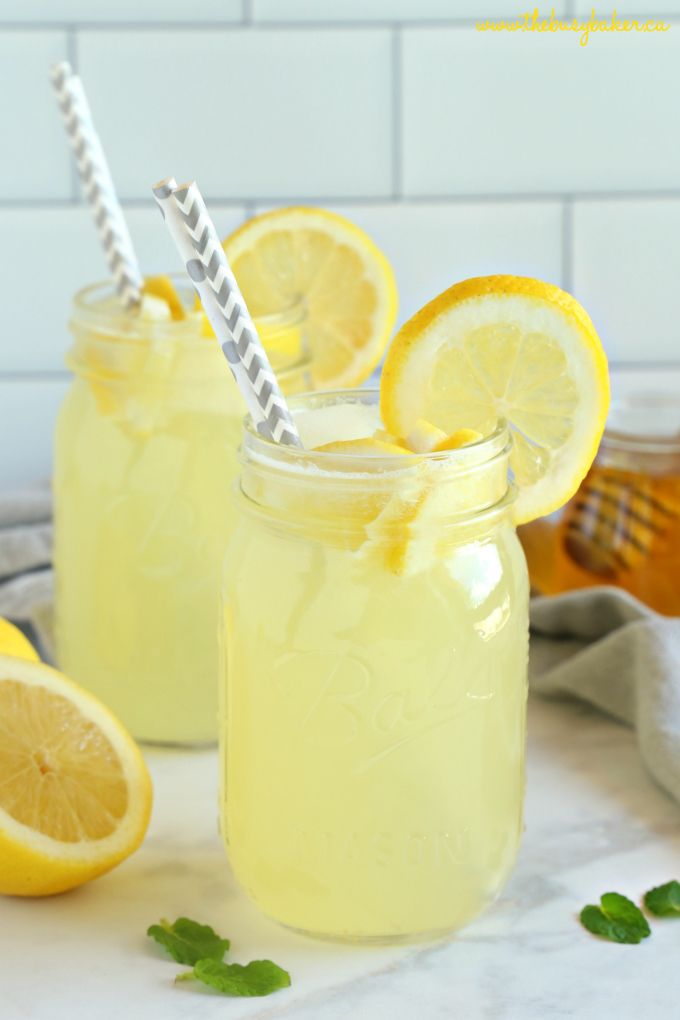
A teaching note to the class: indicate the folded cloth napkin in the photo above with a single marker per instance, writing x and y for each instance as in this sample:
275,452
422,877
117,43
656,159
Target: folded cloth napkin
26,579
602,645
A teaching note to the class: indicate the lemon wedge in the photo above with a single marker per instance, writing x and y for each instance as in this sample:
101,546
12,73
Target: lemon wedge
75,795
346,283
162,288
460,438
14,642
424,436
368,446
505,347
427,438
387,437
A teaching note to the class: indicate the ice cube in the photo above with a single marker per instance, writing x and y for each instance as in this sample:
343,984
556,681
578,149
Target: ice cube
154,309
351,420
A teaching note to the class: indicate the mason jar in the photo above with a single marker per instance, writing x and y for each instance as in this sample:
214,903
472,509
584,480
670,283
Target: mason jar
373,693
145,456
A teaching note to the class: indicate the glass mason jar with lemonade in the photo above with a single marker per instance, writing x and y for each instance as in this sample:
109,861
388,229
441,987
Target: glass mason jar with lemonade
146,455
376,617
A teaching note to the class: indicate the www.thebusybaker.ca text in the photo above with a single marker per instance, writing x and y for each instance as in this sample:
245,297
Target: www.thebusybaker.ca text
533,21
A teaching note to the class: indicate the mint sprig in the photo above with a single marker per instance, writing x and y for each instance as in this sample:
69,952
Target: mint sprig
187,941
617,919
664,900
201,948
261,977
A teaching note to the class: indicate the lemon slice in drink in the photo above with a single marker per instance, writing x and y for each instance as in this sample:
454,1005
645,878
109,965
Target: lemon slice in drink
345,281
427,438
163,288
505,347
75,795
368,446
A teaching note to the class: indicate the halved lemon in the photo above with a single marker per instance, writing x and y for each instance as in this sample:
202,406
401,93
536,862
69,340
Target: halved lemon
14,642
326,261
505,347
75,794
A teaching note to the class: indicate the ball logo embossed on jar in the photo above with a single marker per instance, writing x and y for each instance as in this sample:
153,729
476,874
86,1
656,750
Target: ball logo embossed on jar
385,848
349,707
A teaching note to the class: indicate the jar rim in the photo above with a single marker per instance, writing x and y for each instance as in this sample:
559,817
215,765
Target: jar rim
88,309
98,321
644,411
259,448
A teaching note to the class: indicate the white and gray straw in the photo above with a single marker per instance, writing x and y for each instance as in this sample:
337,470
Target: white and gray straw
97,184
196,239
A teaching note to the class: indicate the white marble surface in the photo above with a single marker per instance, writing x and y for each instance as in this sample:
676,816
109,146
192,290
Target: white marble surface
594,821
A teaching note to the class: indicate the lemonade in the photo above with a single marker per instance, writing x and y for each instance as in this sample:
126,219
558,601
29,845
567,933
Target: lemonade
145,457
374,698
376,616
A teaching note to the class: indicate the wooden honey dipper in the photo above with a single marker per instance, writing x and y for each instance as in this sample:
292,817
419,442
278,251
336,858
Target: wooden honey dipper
614,518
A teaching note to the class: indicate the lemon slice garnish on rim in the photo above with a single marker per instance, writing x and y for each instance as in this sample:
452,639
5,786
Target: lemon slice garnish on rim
75,795
505,347
346,283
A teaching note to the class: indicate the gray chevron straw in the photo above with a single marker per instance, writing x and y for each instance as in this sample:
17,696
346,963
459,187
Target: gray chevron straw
97,184
194,234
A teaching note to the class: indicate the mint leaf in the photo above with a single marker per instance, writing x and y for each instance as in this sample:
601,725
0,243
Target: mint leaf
597,923
261,977
664,900
617,919
187,941
623,911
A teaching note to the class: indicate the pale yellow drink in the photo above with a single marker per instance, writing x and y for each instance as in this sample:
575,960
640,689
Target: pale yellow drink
145,457
374,693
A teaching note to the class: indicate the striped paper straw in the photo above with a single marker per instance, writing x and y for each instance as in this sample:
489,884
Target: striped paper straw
194,234
98,185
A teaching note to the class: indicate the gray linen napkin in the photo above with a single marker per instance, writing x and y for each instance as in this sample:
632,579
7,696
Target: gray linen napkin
26,580
605,647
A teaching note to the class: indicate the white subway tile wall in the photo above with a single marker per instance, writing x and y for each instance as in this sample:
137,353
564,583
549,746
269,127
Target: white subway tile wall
35,163
626,272
385,10
116,11
28,411
304,112
641,9
462,152
37,332
527,114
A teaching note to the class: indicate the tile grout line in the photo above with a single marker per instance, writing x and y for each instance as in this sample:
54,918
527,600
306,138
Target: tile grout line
27,375
504,198
282,25
397,113
568,245
20,377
